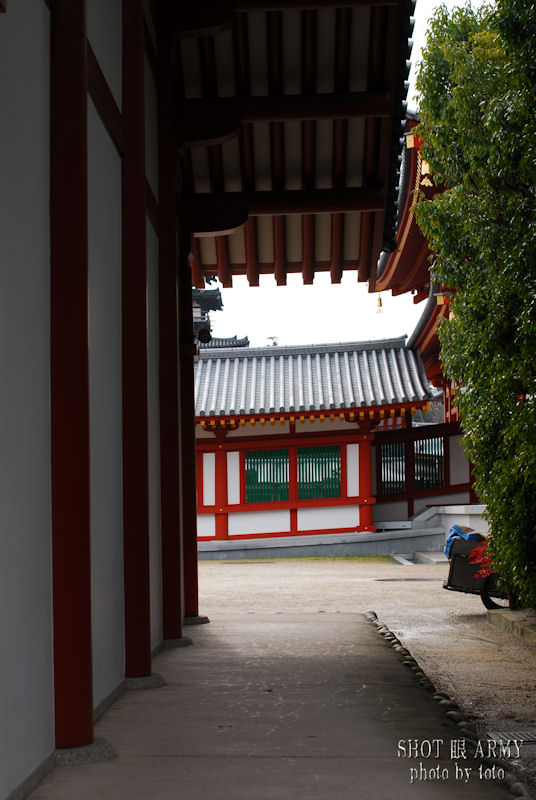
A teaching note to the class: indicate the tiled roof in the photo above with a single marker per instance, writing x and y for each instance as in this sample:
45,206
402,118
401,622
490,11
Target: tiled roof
219,343
308,378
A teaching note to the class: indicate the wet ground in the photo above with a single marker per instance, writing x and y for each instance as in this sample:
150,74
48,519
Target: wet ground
490,673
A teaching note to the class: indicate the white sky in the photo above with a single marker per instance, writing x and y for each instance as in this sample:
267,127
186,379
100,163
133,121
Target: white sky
323,312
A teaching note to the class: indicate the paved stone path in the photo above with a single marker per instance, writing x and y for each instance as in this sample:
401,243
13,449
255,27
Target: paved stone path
276,707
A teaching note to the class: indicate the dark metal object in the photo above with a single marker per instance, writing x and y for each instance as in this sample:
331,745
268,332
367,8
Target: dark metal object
464,575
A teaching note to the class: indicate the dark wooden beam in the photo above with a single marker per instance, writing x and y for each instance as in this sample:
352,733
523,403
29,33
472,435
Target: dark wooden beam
226,212
214,16
285,5
206,121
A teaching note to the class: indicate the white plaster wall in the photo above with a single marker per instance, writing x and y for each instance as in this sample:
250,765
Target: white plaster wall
209,478
206,525
153,400
390,512
233,478
104,31
374,456
352,470
105,399
259,430
464,514
459,466
151,130
252,522
26,682
328,518
439,500
202,434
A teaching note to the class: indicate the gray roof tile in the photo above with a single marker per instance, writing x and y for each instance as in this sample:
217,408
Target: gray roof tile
274,380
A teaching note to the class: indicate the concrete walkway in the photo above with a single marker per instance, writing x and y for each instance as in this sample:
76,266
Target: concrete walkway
275,707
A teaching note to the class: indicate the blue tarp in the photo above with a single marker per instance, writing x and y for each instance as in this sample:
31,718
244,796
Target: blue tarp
454,533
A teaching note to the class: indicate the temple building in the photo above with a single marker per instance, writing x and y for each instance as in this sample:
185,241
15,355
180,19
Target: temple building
407,268
146,145
318,439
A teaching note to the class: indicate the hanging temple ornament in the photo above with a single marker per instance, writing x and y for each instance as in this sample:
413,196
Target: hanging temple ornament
379,310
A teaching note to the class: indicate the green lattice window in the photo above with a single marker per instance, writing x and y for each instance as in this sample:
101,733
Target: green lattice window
319,472
266,475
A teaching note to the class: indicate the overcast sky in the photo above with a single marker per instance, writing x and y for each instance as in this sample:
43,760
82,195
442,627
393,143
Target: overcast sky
298,314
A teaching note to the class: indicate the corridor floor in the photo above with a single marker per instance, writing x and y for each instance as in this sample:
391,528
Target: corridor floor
276,707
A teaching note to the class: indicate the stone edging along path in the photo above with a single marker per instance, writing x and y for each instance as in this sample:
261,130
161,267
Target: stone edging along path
452,710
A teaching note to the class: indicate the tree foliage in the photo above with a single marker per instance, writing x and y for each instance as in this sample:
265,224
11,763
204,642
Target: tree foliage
477,83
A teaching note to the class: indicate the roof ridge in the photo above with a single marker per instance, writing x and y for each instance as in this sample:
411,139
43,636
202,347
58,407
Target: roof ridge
304,349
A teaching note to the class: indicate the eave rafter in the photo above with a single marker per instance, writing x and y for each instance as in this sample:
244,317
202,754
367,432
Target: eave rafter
289,113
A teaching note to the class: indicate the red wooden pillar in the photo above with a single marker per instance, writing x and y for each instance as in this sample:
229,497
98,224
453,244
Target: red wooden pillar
365,482
222,520
71,554
169,352
187,426
134,330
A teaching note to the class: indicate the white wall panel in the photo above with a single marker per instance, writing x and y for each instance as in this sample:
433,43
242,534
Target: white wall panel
105,396
277,521
26,682
259,430
104,31
233,478
459,498
153,401
206,525
352,469
209,475
390,512
328,518
459,466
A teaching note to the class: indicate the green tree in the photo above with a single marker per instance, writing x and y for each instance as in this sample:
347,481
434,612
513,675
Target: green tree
477,84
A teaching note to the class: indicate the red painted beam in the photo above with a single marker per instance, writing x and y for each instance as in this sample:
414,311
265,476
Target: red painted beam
337,234
224,265
169,356
198,279
71,543
252,267
188,466
134,331
308,248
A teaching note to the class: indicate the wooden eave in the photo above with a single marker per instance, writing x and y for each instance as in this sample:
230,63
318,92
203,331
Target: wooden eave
288,119
408,266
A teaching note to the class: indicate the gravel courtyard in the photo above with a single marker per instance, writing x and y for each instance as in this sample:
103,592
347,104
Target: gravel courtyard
490,673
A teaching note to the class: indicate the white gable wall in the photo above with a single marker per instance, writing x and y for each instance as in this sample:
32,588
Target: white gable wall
105,395
26,673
